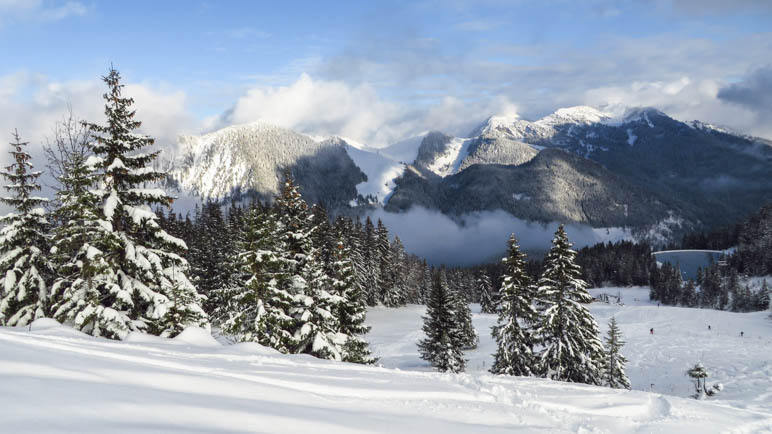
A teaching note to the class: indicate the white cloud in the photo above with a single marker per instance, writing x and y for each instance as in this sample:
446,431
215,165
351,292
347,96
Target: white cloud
482,237
33,104
356,111
683,99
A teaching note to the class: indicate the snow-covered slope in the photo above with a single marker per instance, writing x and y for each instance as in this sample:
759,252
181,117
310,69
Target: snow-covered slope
543,128
53,379
239,157
657,362
380,168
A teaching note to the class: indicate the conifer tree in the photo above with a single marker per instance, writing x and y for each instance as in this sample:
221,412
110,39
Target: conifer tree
395,294
514,340
488,304
24,263
79,243
614,369
259,312
145,278
372,260
444,340
351,311
385,260
568,333
211,255
464,320
353,234
316,328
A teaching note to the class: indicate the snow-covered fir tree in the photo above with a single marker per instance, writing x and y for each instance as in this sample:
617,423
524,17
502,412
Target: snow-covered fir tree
353,235
395,286
372,261
383,253
464,320
79,241
316,328
259,312
514,339
443,345
211,255
24,263
145,279
352,310
567,332
614,367
488,301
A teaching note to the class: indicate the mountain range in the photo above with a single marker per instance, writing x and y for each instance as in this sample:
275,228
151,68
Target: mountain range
639,171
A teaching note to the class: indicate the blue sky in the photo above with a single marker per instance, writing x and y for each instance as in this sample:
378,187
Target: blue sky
381,71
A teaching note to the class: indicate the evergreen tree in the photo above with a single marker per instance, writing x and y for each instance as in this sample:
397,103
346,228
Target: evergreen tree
314,301
145,279
568,333
260,311
614,369
383,253
24,261
372,260
211,255
395,294
514,341
485,288
79,242
464,320
689,294
444,340
352,311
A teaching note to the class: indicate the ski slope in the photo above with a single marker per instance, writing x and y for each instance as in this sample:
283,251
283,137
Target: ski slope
55,379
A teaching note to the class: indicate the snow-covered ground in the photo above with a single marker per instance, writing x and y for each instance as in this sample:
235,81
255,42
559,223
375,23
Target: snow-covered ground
657,362
54,379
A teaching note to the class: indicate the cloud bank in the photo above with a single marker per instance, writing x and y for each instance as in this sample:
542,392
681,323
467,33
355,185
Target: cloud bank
482,237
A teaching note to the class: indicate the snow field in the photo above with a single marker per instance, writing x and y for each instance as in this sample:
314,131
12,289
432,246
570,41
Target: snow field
55,379
656,362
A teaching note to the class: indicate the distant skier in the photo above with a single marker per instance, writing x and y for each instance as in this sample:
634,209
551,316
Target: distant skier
708,326
651,330
741,334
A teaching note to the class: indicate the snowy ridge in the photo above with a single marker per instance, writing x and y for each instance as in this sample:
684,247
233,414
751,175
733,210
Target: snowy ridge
543,128
239,157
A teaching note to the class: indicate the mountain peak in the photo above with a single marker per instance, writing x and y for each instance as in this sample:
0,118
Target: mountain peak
580,114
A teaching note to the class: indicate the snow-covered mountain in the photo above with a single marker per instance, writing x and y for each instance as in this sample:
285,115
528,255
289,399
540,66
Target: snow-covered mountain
251,158
637,169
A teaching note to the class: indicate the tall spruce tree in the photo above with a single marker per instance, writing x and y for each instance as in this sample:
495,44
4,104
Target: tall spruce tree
372,260
145,278
352,310
567,332
316,328
464,320
385,261
514,340
259,311
614,368
211,255
79,243
488,302
395,286
444,340
24,244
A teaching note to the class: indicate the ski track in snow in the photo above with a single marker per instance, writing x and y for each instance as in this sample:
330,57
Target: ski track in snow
55,379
